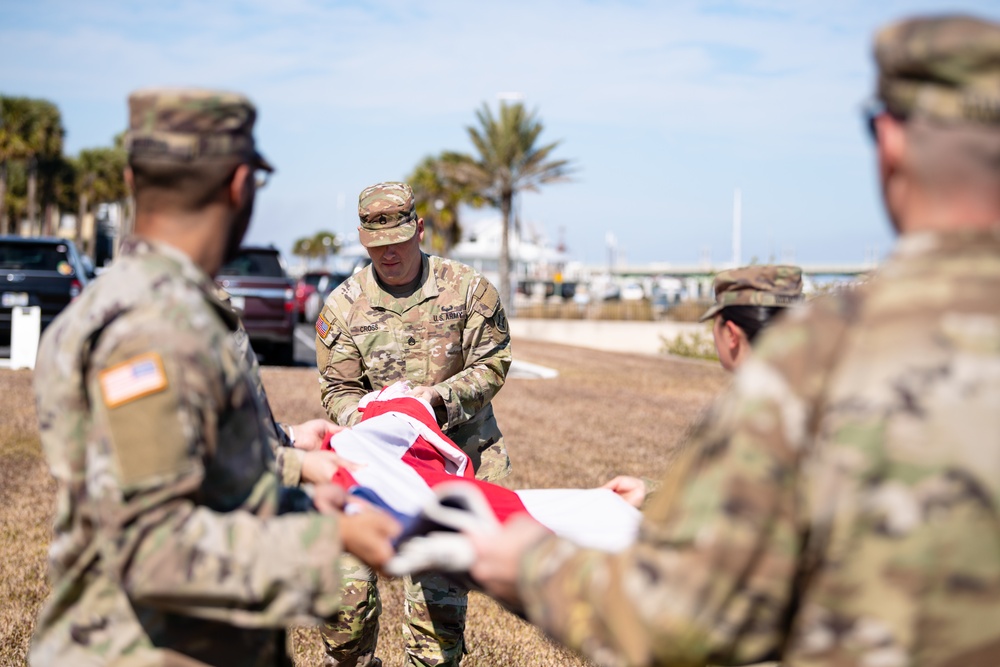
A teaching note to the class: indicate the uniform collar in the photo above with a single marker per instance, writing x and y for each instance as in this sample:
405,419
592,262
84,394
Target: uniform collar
379,298
135,246
919,244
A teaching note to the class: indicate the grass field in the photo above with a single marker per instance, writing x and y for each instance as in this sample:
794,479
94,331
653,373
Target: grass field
605,414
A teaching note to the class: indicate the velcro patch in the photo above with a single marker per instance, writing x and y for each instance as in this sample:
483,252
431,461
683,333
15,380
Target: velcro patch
137,377
322,326
486,299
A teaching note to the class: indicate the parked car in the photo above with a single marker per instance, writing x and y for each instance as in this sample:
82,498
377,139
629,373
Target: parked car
315,301
40,271
632,292
264,295
304,287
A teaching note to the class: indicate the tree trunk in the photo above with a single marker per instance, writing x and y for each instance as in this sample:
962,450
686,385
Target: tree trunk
33,196
506,201
81,212
50,220
4,229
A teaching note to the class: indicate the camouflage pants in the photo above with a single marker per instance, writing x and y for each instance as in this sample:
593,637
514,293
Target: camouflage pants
435,620
350,637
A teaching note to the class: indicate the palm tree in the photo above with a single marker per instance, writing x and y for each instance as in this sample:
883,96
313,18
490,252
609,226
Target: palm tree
99,179
508,162
43,135
324,244
304,248
14,113
16,199
437,196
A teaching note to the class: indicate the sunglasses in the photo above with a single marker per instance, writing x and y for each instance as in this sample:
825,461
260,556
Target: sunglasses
870,111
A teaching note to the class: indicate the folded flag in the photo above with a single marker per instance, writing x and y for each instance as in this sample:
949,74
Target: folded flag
413,470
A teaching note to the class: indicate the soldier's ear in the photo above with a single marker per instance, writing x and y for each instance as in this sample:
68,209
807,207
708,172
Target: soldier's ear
129,179
420,230
734,334
241,186
891,142
892,165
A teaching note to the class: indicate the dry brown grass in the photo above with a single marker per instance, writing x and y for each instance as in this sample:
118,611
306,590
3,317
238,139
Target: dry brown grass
605,414
26,494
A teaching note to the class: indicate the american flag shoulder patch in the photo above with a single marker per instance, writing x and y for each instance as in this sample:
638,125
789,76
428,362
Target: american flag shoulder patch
322,326
137,377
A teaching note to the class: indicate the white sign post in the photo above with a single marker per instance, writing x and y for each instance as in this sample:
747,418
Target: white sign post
25,328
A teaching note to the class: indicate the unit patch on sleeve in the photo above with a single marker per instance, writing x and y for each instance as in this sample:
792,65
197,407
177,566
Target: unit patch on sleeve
500,320
132,379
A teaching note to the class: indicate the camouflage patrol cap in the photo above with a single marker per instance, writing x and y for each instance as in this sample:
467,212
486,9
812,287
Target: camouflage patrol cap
942,67
191,124
767,285
387,214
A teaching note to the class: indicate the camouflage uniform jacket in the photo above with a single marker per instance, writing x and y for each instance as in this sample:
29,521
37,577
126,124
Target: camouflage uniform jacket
840,505
450,334
169,538
287,459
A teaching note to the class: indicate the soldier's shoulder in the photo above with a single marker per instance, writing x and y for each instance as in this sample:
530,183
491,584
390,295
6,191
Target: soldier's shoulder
130,307
149,294
126,285
452,271
804,344
818,318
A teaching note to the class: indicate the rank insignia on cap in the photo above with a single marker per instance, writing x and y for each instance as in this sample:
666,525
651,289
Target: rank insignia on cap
322,326
132,379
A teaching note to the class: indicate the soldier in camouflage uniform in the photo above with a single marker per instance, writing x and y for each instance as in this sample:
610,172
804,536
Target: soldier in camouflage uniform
840,506
175,542
746,301
440,325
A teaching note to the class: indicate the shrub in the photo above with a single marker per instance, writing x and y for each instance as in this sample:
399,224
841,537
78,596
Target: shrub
697,345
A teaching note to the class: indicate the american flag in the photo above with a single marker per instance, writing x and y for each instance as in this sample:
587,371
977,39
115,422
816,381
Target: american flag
405,456
322,326
132,379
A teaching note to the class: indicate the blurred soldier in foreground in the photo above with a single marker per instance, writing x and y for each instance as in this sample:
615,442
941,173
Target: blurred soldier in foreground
841,504
175,542
440,325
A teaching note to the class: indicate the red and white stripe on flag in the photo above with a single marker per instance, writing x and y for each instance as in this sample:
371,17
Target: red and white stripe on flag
405,455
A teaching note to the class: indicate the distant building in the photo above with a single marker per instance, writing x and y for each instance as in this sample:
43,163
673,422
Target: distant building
533,263
532,259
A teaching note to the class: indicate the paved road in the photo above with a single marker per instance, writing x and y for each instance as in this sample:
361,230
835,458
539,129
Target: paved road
305,345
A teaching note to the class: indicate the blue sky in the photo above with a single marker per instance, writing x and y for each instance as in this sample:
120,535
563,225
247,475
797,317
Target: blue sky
664,107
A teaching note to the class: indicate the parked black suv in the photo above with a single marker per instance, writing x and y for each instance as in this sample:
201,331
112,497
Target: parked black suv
264,295
41,271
